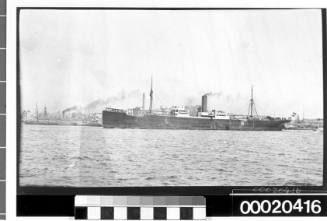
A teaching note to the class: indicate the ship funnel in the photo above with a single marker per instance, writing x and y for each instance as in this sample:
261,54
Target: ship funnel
204,106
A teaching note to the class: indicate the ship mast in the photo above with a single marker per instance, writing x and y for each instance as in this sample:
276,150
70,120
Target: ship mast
143,102
151,97
45,113
36,113
252,108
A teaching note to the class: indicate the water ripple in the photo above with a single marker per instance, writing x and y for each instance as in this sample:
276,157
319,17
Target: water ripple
92,156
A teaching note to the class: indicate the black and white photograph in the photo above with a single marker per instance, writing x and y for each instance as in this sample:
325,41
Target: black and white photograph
164,98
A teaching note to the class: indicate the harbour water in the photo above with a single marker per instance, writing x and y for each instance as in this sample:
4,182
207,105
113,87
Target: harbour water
81,156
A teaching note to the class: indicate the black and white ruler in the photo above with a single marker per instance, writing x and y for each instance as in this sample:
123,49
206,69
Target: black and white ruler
140,207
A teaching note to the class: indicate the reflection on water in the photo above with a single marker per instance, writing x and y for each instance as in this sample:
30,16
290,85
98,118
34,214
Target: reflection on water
94,157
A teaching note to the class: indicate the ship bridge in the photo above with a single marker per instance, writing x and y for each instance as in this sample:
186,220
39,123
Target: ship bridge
179,112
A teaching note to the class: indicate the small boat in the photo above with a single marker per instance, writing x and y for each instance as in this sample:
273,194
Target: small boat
319,129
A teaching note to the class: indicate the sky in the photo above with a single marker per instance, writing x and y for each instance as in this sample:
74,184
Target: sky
78,57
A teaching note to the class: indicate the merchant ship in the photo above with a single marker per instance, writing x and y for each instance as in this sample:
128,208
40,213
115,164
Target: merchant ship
180,118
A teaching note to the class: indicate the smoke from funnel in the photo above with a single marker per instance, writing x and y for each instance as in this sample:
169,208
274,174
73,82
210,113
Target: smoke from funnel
69,109
206,100
121,98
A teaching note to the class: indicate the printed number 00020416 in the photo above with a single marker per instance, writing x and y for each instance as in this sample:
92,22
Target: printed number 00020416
280,207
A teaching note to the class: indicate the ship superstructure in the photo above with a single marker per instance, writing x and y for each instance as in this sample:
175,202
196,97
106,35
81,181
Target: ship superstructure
180,118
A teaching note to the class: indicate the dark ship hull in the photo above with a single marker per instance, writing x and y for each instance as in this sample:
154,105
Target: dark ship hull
119,119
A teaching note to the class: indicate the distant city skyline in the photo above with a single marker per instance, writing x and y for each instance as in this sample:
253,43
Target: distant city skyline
107,57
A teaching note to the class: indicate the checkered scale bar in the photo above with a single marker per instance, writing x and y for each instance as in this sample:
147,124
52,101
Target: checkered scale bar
140,207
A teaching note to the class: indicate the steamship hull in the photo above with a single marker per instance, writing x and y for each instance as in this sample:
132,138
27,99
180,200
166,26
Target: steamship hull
114,119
